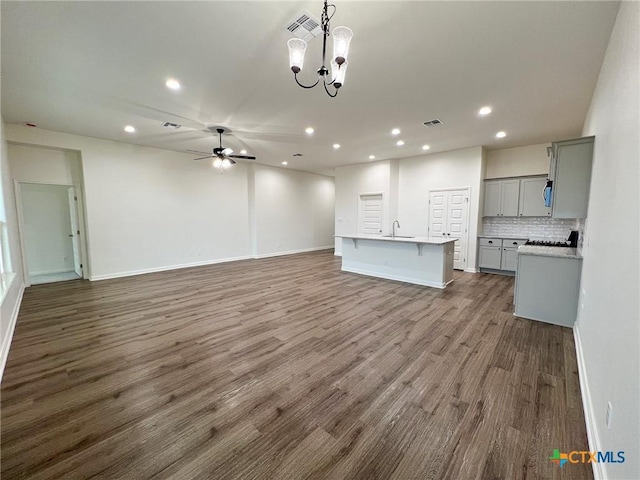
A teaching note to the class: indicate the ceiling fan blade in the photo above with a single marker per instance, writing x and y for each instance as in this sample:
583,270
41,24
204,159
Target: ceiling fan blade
199,152
244,157
202,158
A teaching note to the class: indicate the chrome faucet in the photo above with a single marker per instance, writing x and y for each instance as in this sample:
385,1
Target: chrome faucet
393,228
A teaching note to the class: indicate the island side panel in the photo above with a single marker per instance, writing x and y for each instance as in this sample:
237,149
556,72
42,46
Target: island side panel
447,272
400,261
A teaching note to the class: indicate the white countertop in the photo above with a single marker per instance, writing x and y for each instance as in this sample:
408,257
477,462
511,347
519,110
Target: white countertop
515,237
421,240
563,252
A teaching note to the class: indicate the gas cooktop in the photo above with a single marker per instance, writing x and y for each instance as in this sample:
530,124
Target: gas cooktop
546,243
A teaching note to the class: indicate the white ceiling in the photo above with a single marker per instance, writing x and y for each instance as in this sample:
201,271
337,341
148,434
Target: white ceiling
90,68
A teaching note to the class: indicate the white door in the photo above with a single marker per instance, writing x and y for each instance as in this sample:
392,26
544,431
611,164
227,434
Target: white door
75,230
448,214
437,214
370,214
457,206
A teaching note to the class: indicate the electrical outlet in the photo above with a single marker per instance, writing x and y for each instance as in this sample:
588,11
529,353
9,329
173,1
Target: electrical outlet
609,415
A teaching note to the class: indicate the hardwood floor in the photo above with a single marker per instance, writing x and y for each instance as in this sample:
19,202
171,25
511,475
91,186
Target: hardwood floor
286,368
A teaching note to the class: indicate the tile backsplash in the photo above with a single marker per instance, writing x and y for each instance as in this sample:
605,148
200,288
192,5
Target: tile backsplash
533,228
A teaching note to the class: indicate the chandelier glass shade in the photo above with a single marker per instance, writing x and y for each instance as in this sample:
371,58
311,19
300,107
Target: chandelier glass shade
341,40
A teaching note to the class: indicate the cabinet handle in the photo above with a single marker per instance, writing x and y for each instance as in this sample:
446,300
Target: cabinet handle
515,243
448,234
490,241
520,214
443,233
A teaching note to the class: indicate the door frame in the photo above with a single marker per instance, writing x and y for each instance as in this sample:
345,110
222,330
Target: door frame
21,231
466,226
382,209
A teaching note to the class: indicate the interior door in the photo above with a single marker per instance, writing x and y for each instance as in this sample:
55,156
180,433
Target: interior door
438,214
448,214
457,207
370,214
75,231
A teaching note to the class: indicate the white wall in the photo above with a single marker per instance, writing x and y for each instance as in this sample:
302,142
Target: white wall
52,166
47,224
352,181
149,209
608,325
519,161
458,168
293,211
13,295
45,165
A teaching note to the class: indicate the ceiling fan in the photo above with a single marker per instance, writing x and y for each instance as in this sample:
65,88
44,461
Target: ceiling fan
223,157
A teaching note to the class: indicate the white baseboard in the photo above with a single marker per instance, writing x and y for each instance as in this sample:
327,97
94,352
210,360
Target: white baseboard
50,272
398,278
200,264
293,252
131,273
599,472
6,343
337,254
470,270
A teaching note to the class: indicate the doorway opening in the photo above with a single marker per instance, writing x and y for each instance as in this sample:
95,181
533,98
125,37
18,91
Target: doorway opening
51,232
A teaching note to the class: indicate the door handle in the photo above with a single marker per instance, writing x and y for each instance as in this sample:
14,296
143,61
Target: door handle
71,234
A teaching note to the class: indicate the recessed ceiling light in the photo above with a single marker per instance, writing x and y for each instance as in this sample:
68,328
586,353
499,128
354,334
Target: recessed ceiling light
129,129
173,84
309,130
426,147
399,143
372,157
336,146
395,131
501,134
243,152
484,111
285,163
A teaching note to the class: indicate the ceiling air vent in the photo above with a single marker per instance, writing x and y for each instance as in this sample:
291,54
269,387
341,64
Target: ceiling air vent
304,26
171,125
297,155
433,123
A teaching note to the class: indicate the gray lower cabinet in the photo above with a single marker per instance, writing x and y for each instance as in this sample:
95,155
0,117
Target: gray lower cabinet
499,254
490,257
547,288
509,259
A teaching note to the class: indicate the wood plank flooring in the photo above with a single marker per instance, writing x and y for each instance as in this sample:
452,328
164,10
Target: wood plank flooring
286,368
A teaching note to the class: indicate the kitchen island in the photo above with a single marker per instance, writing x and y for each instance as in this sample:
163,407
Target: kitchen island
419,260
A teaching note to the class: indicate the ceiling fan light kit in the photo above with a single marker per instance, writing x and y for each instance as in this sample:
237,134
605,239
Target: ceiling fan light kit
222,157
341,40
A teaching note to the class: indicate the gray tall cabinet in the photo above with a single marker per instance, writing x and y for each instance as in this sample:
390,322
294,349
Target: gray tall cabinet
570,171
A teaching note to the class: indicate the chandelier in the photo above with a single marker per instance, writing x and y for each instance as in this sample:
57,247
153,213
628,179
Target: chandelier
341,39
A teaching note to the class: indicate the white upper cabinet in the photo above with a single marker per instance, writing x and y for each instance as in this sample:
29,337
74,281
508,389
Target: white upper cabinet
510,197
501,198
515,197
571,174
532,199
492,198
